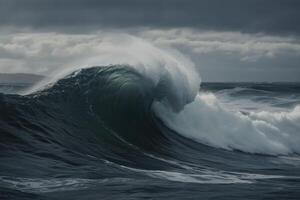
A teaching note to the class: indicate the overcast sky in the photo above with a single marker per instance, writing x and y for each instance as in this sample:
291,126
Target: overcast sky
232,40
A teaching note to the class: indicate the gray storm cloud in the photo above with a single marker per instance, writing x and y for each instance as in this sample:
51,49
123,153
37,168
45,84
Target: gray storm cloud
268,16
233,40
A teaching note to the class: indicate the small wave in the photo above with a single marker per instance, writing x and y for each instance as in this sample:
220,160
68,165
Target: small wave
42,185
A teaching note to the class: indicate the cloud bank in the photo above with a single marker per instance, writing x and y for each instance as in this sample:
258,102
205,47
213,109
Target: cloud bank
252,16
43,53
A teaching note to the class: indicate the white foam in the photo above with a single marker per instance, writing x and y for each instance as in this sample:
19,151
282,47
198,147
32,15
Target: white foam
207,176
207,121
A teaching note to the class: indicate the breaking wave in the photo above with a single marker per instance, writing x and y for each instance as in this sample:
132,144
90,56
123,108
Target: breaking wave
141,114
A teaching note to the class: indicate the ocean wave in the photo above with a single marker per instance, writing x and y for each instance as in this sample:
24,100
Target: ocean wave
143,120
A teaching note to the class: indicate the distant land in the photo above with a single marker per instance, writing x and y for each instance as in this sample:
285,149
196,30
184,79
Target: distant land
19,78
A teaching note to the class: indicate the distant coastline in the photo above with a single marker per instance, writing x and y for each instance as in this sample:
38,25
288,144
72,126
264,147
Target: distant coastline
20,78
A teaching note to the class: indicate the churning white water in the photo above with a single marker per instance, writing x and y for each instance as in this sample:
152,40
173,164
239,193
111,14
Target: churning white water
207,121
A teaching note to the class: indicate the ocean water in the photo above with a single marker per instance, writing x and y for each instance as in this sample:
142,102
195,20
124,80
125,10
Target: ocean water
111,132
147,129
